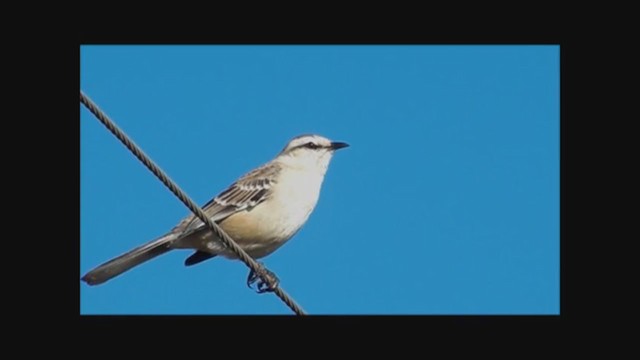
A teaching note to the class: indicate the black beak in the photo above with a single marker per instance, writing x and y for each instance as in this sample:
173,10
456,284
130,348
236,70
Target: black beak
338,145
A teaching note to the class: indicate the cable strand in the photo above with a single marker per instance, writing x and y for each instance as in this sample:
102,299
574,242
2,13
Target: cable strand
226,239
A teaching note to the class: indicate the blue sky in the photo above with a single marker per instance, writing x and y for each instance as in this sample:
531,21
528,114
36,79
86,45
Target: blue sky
447,201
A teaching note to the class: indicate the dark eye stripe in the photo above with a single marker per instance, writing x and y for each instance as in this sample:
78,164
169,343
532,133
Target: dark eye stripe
308,145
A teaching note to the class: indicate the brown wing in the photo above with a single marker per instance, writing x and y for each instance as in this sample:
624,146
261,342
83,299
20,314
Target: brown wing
250,190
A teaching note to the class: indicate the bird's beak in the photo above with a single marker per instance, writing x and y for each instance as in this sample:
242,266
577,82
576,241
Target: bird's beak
338,145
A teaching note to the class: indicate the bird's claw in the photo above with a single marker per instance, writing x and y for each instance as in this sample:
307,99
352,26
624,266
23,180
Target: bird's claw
262,286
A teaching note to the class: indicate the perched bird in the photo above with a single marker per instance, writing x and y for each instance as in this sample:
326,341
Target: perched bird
261,211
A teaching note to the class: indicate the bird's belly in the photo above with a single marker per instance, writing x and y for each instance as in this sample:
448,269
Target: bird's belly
263,229
260,232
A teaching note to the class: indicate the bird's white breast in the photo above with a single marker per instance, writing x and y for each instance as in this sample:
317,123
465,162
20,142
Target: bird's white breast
297,195
264,228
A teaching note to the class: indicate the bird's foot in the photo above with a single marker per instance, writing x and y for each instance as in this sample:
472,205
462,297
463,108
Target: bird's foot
262,286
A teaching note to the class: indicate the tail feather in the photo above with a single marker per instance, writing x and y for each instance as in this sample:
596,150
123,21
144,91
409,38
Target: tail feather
128,260
198,257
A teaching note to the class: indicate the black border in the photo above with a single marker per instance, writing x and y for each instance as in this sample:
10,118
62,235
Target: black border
218,326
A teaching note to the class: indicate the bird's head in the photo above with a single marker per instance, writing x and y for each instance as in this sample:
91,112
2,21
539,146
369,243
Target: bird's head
310,152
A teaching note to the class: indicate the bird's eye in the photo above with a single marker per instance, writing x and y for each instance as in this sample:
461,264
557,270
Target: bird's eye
311,145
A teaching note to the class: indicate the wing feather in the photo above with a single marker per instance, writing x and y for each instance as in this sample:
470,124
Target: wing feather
247,192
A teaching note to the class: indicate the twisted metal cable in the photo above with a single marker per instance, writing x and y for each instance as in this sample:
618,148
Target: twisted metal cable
226,239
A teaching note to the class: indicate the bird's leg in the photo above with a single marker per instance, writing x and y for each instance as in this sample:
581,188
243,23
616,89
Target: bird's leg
253,276
262,286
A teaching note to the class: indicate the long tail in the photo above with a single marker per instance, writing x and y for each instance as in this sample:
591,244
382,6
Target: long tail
126,261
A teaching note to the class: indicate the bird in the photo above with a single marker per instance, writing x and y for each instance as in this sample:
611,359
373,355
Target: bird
260,211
